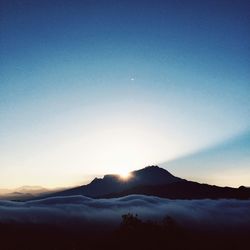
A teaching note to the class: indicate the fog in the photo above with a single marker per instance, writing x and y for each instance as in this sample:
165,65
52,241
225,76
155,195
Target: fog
82,211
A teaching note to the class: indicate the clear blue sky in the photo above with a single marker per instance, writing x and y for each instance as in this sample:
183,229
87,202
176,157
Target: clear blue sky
94,87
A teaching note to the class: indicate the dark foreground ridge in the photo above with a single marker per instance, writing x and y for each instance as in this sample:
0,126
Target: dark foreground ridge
133,233
156,181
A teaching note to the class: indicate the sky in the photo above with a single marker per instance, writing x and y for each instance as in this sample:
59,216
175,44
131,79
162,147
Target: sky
224,164
95,87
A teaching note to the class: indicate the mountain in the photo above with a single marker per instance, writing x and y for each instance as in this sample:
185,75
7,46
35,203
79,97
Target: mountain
187,190
152,175
24,193
154,181
31,189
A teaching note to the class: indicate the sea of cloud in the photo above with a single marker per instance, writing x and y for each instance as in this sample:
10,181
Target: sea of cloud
224,214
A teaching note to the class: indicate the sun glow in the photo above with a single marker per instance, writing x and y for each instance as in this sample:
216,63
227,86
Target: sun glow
125,175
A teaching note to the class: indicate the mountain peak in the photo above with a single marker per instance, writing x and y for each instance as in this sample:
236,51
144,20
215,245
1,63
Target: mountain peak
153,180
151,167
154,175
110,183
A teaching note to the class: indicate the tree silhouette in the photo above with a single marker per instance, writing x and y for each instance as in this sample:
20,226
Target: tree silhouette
137,234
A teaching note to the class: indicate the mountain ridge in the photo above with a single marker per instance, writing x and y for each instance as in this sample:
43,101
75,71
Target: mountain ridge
151,175
156,181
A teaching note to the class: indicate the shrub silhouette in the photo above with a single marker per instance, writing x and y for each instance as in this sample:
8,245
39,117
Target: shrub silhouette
137,234
130,222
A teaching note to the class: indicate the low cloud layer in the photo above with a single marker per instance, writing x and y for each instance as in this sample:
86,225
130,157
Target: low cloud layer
80,210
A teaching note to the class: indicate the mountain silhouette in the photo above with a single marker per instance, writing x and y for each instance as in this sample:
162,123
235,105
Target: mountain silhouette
152,176
24,192
187,190
156,181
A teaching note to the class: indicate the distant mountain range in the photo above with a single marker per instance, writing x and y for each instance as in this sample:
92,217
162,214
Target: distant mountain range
24,192
156,181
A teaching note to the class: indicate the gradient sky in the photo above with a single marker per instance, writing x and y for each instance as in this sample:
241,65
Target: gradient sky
224,164
95,87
